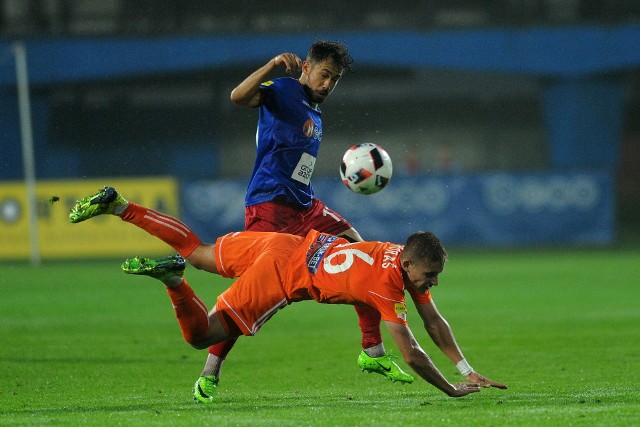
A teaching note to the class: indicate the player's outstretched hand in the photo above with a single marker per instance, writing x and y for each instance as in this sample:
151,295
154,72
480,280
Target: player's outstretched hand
476,378
462,389
290,61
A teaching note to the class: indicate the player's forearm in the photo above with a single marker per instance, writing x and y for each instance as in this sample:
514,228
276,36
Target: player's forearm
416,357
442,336
246,94
421,363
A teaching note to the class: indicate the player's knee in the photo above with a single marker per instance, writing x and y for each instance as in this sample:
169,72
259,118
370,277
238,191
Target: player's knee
196,262
197,342
199,345
202,259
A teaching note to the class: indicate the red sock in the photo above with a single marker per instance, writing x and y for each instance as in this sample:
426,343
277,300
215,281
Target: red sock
173,232
222,348
369,321
191,312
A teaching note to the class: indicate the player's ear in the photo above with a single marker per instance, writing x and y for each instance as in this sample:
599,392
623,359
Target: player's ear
306,67
405,263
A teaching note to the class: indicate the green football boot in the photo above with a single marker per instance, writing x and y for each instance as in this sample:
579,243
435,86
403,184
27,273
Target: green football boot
384,365
161,269
205,389
105,201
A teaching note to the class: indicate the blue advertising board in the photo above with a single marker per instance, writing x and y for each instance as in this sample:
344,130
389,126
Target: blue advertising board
486,209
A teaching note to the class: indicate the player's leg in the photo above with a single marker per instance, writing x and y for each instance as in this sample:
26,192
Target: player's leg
252,299
168,229
204,389
199,328
266,217
373,357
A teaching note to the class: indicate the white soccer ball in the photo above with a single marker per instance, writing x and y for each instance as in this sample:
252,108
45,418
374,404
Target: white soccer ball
366,168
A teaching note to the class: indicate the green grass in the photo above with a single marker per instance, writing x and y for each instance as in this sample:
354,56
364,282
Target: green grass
83,344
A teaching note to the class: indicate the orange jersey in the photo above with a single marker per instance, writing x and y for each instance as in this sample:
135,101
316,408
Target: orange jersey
360,273
276,269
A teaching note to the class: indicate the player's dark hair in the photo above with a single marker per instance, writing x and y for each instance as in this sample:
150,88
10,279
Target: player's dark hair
321,50
426,246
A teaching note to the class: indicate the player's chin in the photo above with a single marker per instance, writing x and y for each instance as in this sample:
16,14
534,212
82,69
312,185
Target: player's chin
318,97
423,289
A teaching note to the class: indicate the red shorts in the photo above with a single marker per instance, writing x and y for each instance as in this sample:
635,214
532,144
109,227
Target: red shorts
281,218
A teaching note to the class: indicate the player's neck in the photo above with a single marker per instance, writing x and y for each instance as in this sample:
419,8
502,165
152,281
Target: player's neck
307,92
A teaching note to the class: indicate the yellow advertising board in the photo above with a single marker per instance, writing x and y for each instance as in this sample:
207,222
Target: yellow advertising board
103,236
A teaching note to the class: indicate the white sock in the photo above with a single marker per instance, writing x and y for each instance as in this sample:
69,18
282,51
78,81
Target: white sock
376,350
213,366
119,210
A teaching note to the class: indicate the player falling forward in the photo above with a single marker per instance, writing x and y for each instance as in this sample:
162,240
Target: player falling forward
277,269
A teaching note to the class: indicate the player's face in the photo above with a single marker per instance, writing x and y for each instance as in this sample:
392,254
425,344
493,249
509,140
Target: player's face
421,275
320,78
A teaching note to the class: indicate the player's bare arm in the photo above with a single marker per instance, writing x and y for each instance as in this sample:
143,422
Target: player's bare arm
420,362
247,93
440,332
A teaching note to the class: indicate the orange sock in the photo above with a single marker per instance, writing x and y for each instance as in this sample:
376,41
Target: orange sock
191,312
170,230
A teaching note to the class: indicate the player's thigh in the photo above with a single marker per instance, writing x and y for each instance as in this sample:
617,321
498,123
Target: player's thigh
257,295
322,218
271,216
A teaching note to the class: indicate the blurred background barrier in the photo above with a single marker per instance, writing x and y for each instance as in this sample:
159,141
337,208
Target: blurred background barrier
103,236
513,115
486,209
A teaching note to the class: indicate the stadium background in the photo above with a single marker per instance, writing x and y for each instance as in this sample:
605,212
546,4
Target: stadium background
509,122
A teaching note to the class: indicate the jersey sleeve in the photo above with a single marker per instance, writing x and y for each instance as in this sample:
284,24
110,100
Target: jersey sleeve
392,310
419,298
267,92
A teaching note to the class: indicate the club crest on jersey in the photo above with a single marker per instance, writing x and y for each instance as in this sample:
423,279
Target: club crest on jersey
310,130
316,251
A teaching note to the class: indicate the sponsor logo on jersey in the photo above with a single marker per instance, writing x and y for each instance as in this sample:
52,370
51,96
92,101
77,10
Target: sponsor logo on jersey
310,130
308,127
401,310
317,250
304,169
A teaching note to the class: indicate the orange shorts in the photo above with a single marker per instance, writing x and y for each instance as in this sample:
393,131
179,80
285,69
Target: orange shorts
260,260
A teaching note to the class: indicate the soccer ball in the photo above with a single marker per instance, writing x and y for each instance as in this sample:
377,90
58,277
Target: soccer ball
366,168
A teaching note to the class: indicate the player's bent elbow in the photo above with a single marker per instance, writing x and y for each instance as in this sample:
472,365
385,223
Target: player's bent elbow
234,98
245,99
237,98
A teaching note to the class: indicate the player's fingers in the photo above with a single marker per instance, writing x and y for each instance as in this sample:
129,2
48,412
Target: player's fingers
473,388
283,60
290,61
468,387
497,385
484,381
489,383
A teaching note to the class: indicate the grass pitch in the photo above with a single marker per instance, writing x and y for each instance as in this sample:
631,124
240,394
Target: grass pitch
84,344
